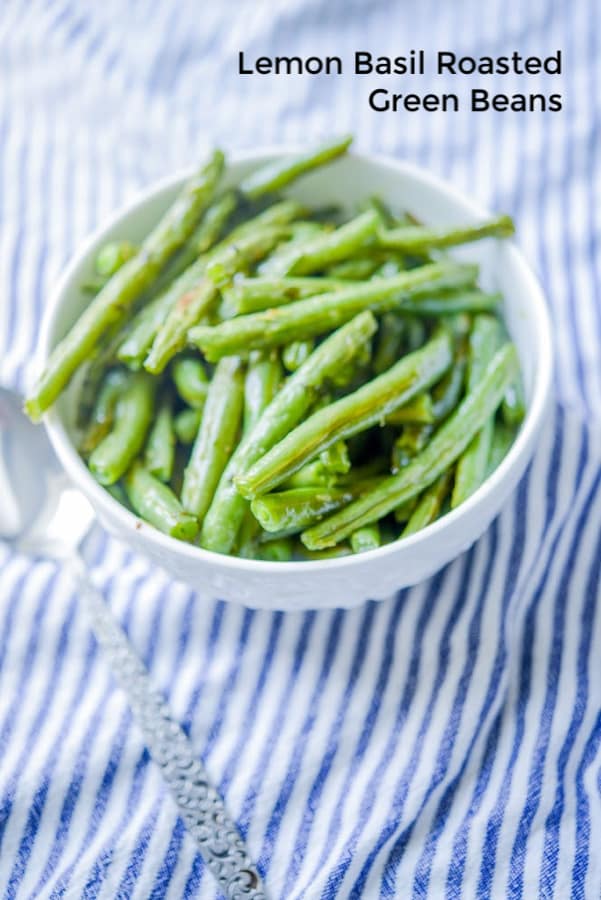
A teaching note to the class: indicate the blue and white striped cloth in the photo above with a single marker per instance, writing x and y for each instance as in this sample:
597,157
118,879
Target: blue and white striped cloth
444,743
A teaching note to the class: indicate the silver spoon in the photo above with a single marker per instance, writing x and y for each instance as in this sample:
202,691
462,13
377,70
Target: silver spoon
42,515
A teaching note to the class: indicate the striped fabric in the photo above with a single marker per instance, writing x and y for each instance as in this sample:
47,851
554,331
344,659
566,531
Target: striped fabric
444,743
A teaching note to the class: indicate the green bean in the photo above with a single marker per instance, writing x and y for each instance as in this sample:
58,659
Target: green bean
103,358
502,439
247,544
133,416
159,452
157,504
205,236
404,511
216,437
389,268
188,309
316,315
243,253
452,303
221,525
353,413
484,340
513,408
248,295
314,474
337,552
392,328
415,332
359,268
295,354
276,175
277,550
446,394
263,379
293,510
276,215
186,424
411,441
191,381
366,538
118,493
326,249
377,205
110,307
112,256
446,446
93,285
429,505
411,239
188,270
179,276
101,418
335,458
417,412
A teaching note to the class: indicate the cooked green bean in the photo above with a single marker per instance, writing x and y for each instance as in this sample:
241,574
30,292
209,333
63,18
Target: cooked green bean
326,249
366,538
359,268
216,437
159,452
248,295
191,381
452,303
513,408
502,439
412,239
429,505
410,442
222,522
293,510
101,417
157,503
278,174
443,450
446,394
353,413
472,465
183,273
133,416
316,315
314,474
112,304
417,412
263,379
188,309
186,424
243,253
295,354
277,550
276,215
189,267
112,256
390,337
335,458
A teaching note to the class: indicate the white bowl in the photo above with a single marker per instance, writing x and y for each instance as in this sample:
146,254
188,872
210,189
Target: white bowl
376,574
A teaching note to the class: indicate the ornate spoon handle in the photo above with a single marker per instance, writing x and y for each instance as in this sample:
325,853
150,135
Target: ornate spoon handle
199,804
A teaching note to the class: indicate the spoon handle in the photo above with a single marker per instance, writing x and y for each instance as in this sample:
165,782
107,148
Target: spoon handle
200,806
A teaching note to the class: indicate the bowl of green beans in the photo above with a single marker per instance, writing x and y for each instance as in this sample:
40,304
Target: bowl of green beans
297,378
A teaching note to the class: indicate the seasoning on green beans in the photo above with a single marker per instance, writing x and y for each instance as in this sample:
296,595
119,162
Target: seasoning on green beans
281,382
